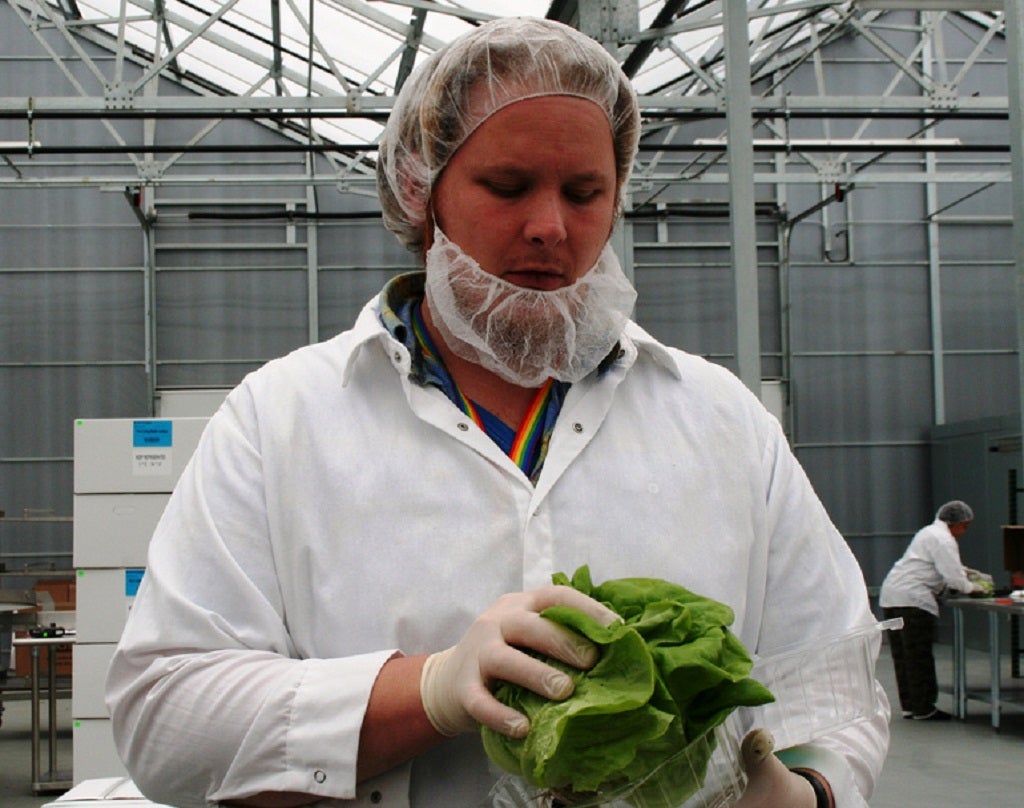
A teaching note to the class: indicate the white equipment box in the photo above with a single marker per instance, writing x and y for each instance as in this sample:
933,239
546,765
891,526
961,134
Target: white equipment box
125,471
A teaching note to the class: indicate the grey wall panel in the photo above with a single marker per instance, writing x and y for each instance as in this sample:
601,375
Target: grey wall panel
974,243
72,229
860,308
266,236
71,316
41,403
858,398
979,305
361,244
873,494
978,197
344,292
693,306
207,314
204,374
95,244
244,255
883,224
980,386
972,460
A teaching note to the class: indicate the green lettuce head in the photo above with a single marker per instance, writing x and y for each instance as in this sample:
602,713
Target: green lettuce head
668,673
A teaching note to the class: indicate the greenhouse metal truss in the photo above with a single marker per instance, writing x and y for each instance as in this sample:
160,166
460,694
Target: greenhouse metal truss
325,73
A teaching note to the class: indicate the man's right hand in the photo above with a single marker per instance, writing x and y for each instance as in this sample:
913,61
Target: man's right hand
455,685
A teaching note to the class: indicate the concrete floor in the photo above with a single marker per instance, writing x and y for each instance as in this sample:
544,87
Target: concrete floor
930,764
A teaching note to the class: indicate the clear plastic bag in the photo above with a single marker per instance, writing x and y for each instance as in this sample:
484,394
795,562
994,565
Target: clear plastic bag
711,762
819,687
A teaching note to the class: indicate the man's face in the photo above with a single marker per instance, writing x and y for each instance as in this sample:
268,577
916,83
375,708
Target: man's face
531,193
959,529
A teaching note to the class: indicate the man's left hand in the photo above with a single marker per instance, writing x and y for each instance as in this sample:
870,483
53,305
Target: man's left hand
769,783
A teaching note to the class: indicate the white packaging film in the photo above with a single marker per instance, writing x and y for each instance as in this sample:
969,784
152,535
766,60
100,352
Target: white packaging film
819,688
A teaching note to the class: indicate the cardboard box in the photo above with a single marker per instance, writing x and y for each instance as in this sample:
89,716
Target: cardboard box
55,594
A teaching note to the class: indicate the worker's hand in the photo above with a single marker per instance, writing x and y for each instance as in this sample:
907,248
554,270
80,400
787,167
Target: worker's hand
456,684
769,783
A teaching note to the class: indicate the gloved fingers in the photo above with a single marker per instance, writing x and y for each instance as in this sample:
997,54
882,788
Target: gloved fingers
527,629
481,705
503,662
522,625
555,595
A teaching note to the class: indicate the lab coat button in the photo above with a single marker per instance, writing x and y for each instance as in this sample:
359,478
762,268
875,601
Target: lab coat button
463,426
320,775
577,427
376,797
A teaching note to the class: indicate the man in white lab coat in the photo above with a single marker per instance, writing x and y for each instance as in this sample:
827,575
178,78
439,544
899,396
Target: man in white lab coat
930,566
364,539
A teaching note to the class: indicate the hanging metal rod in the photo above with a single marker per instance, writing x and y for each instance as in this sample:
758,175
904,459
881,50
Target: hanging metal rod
382,115
136,114
293,148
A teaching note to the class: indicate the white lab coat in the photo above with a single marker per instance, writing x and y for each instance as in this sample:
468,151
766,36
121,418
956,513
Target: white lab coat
334,512
930,565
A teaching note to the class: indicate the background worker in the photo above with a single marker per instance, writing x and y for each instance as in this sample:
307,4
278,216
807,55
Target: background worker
930,566
363,540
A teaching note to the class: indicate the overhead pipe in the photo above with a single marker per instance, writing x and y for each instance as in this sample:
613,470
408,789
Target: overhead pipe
290,148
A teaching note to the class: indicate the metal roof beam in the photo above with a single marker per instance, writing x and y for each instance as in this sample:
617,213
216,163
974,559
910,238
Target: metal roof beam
412,46
666,15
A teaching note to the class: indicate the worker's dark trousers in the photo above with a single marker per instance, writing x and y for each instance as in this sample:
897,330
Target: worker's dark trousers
913,660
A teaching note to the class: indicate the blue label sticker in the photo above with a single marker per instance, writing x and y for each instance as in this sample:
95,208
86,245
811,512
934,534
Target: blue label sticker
151,433
132,579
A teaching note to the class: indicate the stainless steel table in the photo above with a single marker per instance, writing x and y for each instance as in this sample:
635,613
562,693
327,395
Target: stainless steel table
52,780
995,608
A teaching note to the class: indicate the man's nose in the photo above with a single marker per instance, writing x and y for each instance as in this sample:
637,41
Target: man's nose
545,224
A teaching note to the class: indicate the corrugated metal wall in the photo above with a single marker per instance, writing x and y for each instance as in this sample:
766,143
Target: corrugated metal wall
846,314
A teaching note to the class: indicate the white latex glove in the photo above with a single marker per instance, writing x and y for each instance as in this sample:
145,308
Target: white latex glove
769,783
455,684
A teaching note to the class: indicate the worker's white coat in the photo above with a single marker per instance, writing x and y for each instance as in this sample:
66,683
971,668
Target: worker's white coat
334,512
930,565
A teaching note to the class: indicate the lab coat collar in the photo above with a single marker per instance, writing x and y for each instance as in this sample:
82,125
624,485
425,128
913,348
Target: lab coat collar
634,342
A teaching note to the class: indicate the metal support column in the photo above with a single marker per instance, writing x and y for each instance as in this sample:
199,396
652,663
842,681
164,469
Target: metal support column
1013,30
742,219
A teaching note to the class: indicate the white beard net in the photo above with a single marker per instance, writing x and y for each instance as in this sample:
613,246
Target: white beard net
526,335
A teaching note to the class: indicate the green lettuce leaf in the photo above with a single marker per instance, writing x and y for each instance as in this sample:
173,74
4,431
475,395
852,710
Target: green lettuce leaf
668,673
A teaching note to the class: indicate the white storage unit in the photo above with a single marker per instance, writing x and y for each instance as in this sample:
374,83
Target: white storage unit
125,470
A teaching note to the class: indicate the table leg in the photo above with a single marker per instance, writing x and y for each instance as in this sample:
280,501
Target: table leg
1015,650
34,652
993,661
52,673
959,666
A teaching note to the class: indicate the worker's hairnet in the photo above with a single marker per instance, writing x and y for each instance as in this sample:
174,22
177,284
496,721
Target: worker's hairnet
476,75
955,512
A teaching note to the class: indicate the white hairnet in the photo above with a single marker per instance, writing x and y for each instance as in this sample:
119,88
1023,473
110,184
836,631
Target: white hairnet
471,78
955,512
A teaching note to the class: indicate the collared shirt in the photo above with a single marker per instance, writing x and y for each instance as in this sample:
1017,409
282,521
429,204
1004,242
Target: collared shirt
400,312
